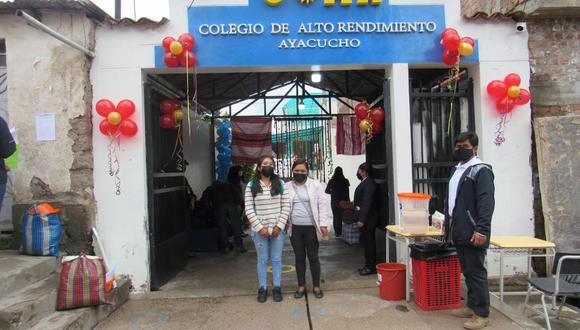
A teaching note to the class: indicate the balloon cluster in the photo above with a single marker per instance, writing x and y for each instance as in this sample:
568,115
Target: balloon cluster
455,46
370,120
508,93
224,157
116,119
179,52
172,113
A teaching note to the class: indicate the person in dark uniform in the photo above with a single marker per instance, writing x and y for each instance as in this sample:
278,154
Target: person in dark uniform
468,215
7,148
366,216
338,189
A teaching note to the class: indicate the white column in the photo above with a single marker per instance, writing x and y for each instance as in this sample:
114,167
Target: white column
401,129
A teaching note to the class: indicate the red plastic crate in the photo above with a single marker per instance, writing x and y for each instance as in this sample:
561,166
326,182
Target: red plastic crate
437,283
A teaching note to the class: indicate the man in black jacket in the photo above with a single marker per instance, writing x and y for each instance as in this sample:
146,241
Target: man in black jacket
366,216
468,225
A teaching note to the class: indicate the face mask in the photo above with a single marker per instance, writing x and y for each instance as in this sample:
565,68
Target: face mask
267,171
299,177
359,176
462,154
240,174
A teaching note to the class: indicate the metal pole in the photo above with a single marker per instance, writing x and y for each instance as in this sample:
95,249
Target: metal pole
117,9
39,25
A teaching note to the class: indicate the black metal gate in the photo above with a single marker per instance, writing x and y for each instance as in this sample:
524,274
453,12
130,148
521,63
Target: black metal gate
167,196
438,115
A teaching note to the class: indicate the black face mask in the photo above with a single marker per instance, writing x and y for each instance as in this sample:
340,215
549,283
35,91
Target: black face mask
267,171
462,154
299,177
359,176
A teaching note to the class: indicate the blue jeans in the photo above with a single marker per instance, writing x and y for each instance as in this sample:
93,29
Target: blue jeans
2,192
269,248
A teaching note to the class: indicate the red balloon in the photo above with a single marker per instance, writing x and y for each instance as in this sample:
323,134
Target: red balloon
167,106
128,128
377,128
166,42
469,40
450,57
126,108
451,41
512,79
523,98
106,128
377,115
167,121
361,110
448,31
505,105
187,41
191,60
104,107
170,60
175,105
497,88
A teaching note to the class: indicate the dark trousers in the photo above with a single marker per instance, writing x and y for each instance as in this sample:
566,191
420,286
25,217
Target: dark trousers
472,266
337,220
304,242
226,212
369,242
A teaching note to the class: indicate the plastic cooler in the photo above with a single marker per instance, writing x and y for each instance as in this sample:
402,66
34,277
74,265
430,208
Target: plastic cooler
414,210
436,277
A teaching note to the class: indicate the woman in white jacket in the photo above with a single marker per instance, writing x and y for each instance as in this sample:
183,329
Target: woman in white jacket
307,224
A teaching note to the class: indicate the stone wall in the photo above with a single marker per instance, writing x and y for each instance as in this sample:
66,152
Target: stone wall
554,44
558,141
48,76
554,57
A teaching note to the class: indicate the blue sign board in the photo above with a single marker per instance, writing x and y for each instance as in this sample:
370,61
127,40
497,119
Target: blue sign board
292,33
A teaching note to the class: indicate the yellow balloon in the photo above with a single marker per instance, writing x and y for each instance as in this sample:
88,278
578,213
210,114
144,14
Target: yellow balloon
513,92
465,49
179,115
365,125
176,48
114,118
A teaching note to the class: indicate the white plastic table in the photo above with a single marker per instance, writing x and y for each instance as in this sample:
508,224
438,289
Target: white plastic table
396,234
518,246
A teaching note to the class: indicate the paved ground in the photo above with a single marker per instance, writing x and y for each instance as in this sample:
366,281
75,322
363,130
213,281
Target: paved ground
218,292
343,309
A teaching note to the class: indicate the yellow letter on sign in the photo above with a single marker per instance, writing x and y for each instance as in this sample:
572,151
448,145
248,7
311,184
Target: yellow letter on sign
345,2
376,2
274,3
329,3
362,2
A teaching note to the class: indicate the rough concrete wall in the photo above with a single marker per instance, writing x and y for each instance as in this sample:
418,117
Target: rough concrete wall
558,142
46,75
554,57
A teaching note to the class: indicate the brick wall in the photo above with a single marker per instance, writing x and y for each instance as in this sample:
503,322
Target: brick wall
554,45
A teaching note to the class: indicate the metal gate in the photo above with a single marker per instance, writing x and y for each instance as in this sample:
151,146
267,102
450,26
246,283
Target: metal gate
303,138
437,117
167,196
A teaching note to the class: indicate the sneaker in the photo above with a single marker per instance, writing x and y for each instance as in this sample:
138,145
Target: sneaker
476,322
262,295
463,312
277,294
242,249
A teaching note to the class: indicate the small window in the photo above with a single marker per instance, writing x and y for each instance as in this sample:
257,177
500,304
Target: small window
2,53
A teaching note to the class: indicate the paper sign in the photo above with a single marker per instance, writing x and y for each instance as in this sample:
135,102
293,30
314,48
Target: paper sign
45,127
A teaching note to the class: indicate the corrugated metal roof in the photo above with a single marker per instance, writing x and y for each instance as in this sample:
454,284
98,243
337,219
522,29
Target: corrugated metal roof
491,8
92,10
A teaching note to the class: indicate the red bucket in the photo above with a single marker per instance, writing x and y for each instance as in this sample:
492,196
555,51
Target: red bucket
391,280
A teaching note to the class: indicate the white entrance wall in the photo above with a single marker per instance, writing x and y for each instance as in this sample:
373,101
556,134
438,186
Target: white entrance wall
116,73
